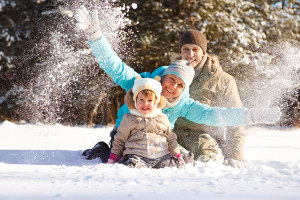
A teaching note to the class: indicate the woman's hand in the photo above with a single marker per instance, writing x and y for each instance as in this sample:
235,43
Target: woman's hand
88,22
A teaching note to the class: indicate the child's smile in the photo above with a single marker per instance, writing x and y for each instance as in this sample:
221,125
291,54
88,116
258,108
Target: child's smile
145,104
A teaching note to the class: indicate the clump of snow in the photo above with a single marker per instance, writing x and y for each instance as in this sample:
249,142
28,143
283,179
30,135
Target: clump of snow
134,6
272,73
45,162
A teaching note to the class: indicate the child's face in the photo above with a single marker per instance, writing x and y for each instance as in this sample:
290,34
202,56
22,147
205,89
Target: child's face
145,104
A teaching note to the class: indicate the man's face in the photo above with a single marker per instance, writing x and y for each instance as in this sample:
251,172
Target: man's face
193,53
172,86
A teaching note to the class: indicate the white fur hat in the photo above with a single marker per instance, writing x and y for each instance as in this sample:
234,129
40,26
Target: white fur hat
147,83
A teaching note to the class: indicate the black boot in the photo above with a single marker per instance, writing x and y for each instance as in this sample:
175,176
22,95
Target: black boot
100,150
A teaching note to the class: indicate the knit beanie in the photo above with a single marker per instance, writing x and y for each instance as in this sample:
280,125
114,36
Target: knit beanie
193,37
147,83
183,70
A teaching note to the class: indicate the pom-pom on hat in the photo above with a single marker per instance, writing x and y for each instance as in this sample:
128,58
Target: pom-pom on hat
147,83
183,70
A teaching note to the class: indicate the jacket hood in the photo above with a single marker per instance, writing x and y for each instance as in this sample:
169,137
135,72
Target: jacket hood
211,65
130,103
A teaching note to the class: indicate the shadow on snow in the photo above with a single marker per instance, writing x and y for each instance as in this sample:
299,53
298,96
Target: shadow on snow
45,157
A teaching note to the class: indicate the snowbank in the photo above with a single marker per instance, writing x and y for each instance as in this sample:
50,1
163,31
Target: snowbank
45,162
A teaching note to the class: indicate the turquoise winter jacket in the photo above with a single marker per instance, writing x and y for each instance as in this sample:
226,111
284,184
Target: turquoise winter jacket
192,110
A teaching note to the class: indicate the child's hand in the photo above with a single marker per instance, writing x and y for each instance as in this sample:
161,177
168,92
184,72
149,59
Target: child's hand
88,22
113,158
180,159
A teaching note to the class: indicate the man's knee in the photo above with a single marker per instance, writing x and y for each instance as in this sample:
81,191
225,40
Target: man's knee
187,139
202,145
208,149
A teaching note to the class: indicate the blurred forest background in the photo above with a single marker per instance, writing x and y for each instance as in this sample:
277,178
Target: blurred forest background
48,74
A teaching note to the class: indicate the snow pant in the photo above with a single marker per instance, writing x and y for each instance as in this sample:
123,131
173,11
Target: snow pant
135,161
187,156
112,135
202,145
102,150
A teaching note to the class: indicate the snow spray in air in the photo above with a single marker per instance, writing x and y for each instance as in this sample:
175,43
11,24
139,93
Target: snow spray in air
68,82
274,76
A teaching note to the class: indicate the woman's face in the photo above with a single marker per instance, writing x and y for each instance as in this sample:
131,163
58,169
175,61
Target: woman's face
172,86
193,53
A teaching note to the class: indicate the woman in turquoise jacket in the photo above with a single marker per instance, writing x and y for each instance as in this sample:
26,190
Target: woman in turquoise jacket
180,104
194,111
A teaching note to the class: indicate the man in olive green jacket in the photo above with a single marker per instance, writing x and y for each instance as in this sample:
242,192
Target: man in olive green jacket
212,86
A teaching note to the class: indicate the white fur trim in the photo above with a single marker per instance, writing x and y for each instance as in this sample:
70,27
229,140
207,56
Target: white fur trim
174,101
146,83
155,113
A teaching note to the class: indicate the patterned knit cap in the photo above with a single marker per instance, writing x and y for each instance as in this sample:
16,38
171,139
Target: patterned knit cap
183,70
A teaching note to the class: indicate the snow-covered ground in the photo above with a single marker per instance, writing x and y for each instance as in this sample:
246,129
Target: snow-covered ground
45,162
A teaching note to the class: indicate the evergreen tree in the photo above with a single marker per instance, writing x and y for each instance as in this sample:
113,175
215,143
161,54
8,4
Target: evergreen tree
248,36
251,38
55,77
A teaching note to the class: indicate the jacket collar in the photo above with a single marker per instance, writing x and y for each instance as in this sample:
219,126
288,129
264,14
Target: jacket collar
209,67
173,102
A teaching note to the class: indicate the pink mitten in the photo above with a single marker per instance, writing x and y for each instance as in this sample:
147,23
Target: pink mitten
113,158
180,159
